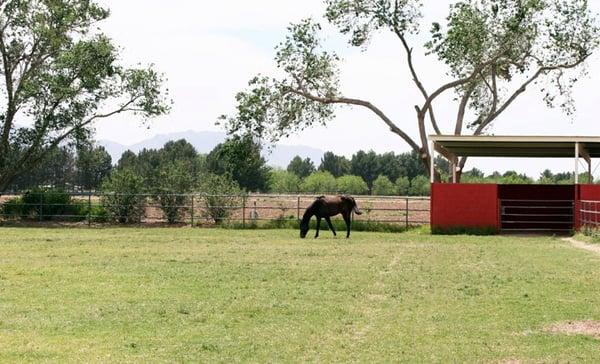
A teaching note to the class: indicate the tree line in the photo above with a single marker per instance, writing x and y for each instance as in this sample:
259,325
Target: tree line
237,165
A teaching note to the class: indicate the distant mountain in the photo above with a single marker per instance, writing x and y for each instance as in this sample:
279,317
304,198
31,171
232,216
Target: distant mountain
205,141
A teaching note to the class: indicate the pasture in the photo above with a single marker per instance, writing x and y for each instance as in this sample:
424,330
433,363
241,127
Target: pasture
197,295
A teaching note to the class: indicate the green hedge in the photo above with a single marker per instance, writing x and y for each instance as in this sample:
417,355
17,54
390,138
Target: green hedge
45,205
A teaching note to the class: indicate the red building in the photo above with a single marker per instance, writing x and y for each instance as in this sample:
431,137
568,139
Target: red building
515,208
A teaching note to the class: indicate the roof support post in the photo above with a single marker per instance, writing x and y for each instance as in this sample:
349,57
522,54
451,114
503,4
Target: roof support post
454,172
432,162
576,163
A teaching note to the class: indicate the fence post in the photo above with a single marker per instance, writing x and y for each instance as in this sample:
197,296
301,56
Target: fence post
41,206
89,217
244,211
406,213
192,210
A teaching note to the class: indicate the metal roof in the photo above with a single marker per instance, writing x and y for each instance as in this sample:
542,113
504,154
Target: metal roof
517,146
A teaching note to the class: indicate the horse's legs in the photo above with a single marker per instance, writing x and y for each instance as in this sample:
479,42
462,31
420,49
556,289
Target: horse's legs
318,226
328,219
347,221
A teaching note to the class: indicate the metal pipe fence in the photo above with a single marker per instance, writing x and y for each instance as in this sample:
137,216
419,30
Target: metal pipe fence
196,209
589,214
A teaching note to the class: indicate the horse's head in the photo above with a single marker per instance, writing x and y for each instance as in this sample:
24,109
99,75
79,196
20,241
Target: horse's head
304,224
303,229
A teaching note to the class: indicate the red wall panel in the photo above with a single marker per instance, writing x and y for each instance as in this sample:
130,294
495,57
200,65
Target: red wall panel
589,192
464,206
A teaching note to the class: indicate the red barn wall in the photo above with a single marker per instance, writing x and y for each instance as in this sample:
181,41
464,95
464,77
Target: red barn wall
456,206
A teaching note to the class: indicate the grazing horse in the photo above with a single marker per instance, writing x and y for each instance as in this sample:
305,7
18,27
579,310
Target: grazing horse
325,207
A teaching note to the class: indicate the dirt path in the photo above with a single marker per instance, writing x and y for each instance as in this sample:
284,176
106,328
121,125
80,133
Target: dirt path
585,246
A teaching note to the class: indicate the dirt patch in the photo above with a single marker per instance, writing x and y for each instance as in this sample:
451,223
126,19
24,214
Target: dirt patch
588,328
581,245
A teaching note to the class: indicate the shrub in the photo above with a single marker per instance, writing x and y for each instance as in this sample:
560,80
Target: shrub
382,186
402,186
284,182
122,197
98,214
220,196
46,205
354,185
319,182
420,186
173,182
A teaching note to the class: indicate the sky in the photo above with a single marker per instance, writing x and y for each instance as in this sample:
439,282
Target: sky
208,50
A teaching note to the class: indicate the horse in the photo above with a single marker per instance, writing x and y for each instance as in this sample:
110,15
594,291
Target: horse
325,207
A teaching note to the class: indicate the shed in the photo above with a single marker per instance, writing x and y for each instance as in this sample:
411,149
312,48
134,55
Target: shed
515,208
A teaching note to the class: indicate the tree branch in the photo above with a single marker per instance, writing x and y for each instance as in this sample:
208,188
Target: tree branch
416,79
463,107
349,101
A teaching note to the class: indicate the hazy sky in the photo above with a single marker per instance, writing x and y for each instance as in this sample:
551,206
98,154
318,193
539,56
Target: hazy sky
210,49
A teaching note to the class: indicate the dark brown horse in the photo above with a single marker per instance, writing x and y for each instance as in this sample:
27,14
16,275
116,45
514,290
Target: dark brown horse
325,207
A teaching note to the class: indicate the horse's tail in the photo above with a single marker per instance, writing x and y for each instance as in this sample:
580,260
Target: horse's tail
355,208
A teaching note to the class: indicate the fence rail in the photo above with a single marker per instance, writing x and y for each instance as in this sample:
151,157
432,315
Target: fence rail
195,209
589,213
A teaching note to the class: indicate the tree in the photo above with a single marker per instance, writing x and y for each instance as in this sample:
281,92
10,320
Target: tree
420,186
173,184
319,182
337,165
123,196
128,160
284,182
382,186
56,169
513,178
493,52
366,166
403,186
94,164
391,166
221,195
301,167
240,158
547,178
60,75
353,185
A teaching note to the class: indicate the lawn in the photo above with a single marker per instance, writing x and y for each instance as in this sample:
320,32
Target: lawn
197,295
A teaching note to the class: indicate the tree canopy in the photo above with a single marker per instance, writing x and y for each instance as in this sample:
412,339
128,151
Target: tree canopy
60,75
301,167
240,158
493,52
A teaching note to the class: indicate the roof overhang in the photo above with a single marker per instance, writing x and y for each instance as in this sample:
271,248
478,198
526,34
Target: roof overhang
453,146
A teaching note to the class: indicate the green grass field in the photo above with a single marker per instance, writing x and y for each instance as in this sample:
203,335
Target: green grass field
194,295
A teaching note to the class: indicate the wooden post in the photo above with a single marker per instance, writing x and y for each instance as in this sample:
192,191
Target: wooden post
89,217
244,211
192,212
432,166
41,206
576,163
406,213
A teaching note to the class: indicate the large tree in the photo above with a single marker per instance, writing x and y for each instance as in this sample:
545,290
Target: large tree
59,75
301,167
240,158
338,165
493,52
94,164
